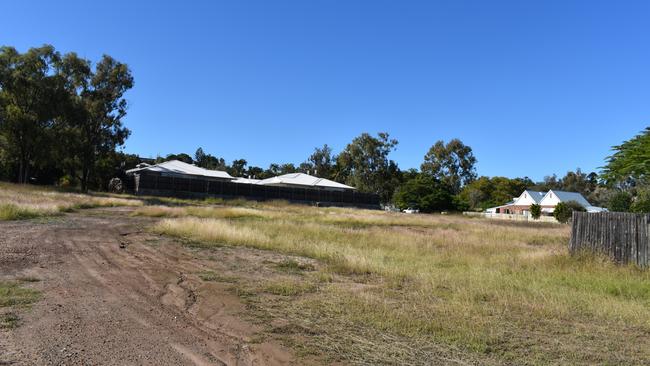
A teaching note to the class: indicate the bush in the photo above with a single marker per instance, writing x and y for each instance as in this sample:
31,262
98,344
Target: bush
620,202
564,211
641,203
535,211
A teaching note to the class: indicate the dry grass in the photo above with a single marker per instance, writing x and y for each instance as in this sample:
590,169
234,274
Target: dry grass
24,202
508,292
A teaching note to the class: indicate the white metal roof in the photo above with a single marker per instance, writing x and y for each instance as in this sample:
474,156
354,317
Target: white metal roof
571,196
246,180
176,167
303,179
536,195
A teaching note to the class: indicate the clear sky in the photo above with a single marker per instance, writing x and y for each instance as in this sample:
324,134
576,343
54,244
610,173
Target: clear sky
534,88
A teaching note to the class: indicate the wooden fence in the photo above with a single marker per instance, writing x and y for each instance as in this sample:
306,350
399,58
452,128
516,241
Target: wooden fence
151,184
624,237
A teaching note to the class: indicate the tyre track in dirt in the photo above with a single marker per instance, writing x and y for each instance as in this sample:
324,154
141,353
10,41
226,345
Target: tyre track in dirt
110,297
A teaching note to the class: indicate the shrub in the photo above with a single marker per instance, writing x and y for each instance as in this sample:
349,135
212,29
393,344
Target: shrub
564,211
535,211
620,202
641,202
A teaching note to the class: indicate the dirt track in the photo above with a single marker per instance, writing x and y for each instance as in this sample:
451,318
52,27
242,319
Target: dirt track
114,294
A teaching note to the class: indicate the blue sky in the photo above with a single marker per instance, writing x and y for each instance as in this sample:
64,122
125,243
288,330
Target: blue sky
534,88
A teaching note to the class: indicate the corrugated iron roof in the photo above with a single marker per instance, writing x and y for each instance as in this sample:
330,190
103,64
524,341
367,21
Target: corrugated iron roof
303,179
571,196
177,167
536,195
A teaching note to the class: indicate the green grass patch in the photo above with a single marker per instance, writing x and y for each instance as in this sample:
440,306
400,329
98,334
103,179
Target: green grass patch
289,288
293,266
10,211
211,276
12,294
9,321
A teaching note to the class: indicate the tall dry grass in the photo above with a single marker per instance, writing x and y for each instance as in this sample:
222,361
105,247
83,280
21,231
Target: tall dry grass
468,282
22,202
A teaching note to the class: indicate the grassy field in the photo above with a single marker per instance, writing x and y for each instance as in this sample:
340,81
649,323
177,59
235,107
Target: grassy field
371,287
397,288
26,202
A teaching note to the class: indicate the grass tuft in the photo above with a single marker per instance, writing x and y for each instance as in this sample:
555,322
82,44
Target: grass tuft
211,276
293,266
12,294
289,288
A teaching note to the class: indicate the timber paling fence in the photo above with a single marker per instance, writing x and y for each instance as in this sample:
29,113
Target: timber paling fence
179,186
624,237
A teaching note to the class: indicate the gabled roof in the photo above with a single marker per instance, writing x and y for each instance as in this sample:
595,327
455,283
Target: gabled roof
571,196
303,179
535,195
177,167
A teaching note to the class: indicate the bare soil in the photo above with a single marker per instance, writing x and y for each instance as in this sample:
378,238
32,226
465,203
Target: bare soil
114,294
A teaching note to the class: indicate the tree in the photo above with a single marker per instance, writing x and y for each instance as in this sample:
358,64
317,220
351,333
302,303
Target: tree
208,161
364,164
30,96
550,182
487,192
273,170
535,211
200,157
322,161
287,168
97,108
630,161
620,202
453,164
255,172
238,168
579,182
185,158
425,193
564,211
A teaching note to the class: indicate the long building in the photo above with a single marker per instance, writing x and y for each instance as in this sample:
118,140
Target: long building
178,178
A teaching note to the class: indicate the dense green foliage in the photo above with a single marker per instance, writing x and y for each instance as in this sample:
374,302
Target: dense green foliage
641,202
488,192
452,164
535,211
630,160
364,164
564,211
424,193
620,202
60,116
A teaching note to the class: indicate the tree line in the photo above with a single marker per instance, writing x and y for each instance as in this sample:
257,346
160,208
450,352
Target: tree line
61,122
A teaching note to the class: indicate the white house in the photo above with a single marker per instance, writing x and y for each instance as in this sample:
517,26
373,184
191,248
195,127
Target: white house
547,200
552,198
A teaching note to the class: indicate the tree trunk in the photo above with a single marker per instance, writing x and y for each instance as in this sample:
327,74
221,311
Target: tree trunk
84,179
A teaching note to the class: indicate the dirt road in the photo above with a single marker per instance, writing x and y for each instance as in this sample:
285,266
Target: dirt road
113,294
